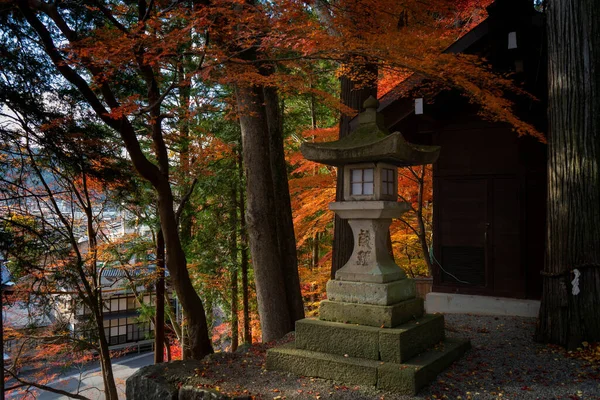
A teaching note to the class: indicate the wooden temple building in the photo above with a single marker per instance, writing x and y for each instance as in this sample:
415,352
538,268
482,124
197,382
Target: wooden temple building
489,184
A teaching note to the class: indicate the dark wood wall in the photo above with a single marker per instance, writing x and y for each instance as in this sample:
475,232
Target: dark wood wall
489,211
489,205
489,184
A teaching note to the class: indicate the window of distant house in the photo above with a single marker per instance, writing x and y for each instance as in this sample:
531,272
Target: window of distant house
361,181
131,303
387,181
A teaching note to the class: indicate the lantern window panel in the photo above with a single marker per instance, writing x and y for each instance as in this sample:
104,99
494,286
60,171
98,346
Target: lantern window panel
388,178
362,181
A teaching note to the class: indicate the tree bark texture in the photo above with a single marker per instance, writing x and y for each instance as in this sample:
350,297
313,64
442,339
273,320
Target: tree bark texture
316,255
573,218
351,96
283,208
260,219
197,341
159,320
244,257
233,249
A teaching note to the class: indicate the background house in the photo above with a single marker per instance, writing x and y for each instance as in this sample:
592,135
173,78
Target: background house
124,322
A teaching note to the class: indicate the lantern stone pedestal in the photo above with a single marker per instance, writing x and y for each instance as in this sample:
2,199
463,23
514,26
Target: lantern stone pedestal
372,330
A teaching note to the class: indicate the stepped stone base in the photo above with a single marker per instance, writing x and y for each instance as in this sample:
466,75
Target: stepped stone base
406,378
391,346
380,344
382,294
370,314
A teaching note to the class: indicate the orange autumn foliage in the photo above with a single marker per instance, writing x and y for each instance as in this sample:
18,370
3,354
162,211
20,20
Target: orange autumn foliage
403,38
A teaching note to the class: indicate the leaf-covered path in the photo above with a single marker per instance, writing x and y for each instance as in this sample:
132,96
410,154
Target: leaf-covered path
504,363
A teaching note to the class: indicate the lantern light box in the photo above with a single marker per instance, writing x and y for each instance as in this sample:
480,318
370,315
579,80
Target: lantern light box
370,181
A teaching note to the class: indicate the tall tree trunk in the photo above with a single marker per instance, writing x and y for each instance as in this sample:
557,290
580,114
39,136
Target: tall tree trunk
352,95
244,256
313,121
159,320
110,387
186,354
283,208
185,220
260,219
315,251
168,350
571,286
233,249
106,368
198,341
422,231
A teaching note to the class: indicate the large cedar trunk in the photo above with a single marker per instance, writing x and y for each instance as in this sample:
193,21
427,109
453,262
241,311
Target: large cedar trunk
283,207
351,96
260,219
573,218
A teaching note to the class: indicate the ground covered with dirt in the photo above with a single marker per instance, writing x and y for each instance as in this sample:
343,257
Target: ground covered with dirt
504,363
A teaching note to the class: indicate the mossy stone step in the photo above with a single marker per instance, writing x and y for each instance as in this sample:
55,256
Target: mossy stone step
371,314
380,344
411,376
406,378
288,358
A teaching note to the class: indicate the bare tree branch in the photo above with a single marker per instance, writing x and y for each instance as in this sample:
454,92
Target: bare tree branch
46,387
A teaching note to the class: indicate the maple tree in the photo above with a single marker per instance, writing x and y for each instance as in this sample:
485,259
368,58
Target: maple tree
115,55
53,192
411,233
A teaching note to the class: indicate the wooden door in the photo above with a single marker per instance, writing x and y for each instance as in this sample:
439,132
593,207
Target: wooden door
508,278
477,242
461,235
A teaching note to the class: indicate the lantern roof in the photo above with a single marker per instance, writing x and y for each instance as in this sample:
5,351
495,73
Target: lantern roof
370,142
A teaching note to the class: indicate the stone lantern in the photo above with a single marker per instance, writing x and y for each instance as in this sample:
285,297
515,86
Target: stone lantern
372,327
370,157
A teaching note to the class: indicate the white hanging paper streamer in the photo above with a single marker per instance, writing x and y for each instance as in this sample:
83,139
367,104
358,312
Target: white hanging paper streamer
419,106
575,282
512,40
